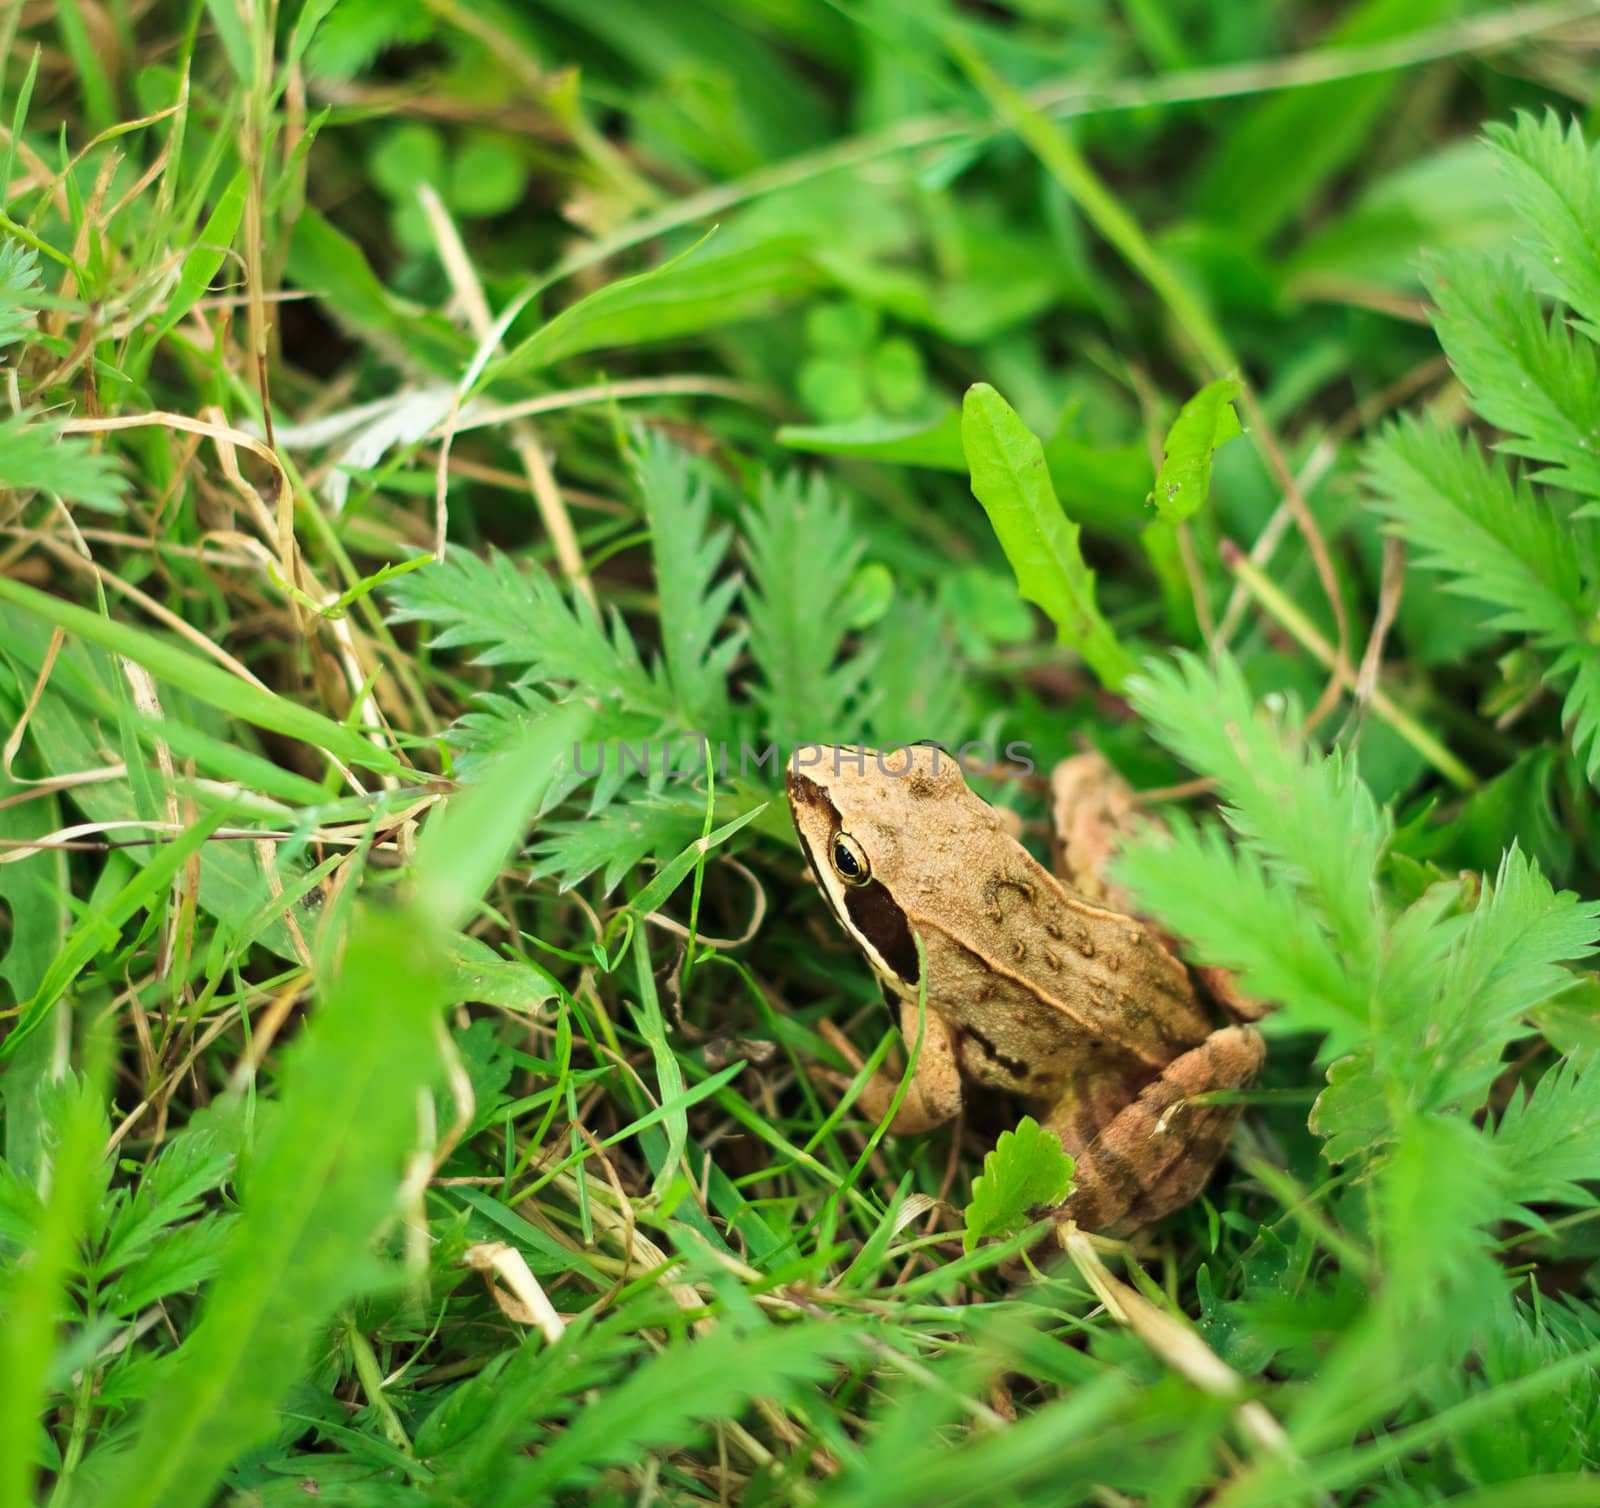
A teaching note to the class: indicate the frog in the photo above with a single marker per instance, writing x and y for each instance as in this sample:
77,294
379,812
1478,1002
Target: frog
1042,983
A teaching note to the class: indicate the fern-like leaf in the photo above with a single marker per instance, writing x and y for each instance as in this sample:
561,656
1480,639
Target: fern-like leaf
517,618
19,290
1234,913
1525,371
1488,534
626,833
694,604
803,554
1549,1140
1510,958
1281,800
1553,177
36,456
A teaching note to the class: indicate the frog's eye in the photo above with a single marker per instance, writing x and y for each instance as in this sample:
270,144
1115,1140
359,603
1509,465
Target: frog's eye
850,861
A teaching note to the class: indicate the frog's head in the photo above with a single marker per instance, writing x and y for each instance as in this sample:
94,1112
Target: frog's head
859,813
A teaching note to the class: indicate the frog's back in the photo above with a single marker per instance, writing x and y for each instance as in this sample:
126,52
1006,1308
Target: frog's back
1044,977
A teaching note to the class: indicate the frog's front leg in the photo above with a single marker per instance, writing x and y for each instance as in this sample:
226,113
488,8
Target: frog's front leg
934,1094
1156,1154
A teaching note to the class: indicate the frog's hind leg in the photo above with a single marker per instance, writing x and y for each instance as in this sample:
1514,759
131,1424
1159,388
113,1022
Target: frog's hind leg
1157,1154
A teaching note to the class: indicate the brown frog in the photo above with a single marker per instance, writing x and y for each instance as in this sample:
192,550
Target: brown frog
1051,991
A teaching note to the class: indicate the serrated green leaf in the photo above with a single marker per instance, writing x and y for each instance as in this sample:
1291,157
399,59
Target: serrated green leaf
323,1182
1011,480
803,553
1554,185
36,456
1027,1170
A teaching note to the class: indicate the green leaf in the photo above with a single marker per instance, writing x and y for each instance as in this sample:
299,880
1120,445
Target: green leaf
207,682
522,618
1548,1140
626,833
694,604
465,845
895,442
1526,372
689,295
1510,957
1282,799
36,456
1011,480
1490,535
1027,1170
1554,185
19,290
325,1179
97,930
204,260
1233,912
1293,141
1206,422
803,551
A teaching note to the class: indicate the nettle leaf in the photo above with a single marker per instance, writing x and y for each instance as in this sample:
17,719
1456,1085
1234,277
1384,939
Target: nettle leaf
1012,481
1028,1169
1204,424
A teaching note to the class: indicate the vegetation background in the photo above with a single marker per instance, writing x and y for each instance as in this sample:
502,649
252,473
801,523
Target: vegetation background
401,393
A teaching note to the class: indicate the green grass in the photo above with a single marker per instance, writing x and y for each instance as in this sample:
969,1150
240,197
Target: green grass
409,405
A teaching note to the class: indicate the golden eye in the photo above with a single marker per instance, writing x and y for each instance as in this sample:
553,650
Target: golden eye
850,861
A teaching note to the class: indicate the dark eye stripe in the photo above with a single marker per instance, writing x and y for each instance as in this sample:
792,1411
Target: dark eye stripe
876,917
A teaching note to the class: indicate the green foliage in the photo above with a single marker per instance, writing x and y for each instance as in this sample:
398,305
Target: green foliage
35,455
1445,983
343,955
1011,480
694,604
1026,1171
1206,422
319,1186
1511,539
803,556
19,290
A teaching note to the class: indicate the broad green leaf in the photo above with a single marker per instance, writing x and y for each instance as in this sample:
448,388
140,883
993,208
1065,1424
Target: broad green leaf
322,1184
205,258
688,295
1027,1170
935,444
1011,480
464,846
1204,423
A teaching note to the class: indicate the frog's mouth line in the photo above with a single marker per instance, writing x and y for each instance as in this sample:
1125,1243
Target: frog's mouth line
868,911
